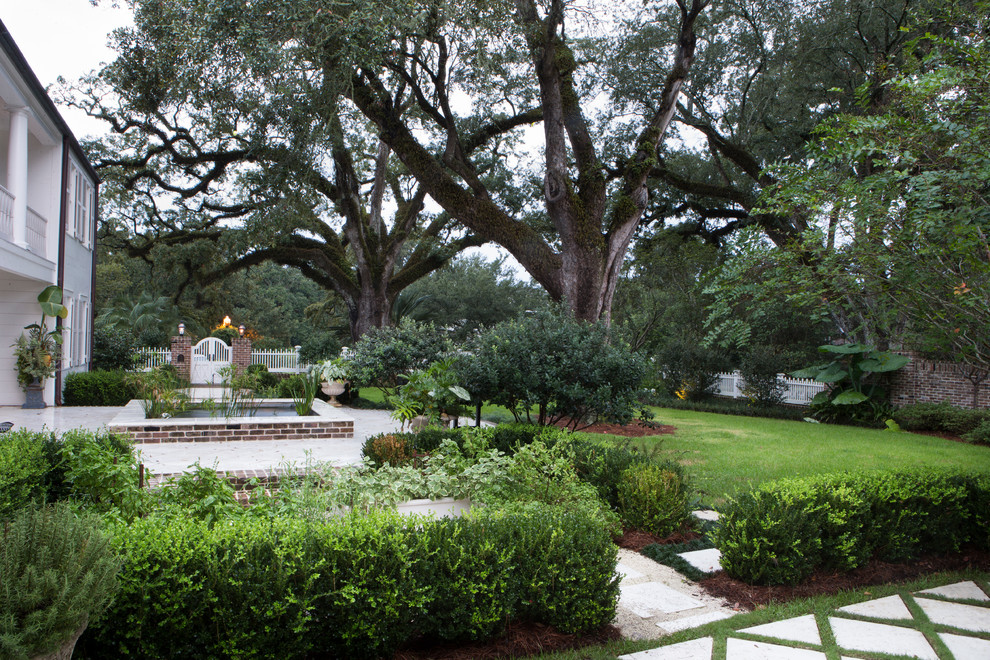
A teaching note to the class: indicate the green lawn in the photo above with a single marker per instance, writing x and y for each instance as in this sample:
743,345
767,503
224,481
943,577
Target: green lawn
726,454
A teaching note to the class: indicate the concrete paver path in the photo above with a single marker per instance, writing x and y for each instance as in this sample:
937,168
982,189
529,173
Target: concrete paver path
879,626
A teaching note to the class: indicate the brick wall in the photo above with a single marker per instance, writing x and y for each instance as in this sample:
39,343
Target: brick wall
240,353
182,355
930,381
154,431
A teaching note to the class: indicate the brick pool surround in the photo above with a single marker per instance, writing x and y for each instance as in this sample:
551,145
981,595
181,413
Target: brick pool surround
328,422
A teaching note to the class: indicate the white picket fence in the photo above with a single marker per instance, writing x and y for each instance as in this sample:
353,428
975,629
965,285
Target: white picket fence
284,360
799,391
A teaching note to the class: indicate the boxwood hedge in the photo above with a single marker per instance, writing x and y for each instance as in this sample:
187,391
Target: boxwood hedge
356,586
781,532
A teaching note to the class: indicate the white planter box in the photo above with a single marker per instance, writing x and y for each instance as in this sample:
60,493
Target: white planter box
447,507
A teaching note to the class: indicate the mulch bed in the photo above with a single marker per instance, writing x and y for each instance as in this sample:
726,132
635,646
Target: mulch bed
873,573
520,640
635,429
635,540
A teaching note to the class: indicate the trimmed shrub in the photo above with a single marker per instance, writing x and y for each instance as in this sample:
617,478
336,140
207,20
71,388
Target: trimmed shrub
653,498
602,463
980,435
355,587
941,417
389,449
23,467
428,440
781,532
733,407
99,388
57,572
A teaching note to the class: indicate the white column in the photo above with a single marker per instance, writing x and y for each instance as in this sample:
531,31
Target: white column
17,171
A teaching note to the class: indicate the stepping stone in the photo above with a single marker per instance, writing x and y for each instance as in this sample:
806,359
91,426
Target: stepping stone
799,629
959,591
881,638
696,649
957,615
891,607
705,561
678,625
626,573
738,649
650,598
705,514
966,648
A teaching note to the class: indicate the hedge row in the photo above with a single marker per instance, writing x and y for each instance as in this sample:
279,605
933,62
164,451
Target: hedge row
99,388
781,532
351,587
941,417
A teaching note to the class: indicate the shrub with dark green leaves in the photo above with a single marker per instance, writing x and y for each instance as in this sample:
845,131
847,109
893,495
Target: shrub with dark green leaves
99,388
23,466
980,435
565,369
781,532
356,587
383,355
113,350
602,463
653,498
58,572
264,378
941,417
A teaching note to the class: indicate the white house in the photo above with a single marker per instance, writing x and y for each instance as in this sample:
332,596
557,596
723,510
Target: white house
48,203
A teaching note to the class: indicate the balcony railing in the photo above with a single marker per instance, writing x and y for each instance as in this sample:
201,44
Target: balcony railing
6,214
37,228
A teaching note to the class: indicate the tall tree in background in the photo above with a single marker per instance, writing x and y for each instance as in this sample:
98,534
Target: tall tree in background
220,94
220,141
767,73
902,198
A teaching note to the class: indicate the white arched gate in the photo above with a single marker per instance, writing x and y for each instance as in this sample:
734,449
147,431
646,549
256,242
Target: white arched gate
209,356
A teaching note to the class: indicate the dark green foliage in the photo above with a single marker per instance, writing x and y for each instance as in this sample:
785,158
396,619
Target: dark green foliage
264,378
669,554
318,346
42,467
201,493
57,572
383,355
567,369
354,587
101,471
941,417
23,466
227,333
428,439
734,407
112,349
980,435
507,438
98,388
653,498
760,370
783,531
601,463
690,368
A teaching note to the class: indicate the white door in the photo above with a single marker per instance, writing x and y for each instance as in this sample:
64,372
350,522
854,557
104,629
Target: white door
209,356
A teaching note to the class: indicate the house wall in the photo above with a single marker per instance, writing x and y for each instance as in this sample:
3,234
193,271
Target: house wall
19,308
931,381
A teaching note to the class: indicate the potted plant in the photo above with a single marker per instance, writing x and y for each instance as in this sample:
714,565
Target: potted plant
38,351
334,374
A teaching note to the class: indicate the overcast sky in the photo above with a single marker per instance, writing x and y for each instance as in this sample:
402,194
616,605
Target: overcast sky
65,38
